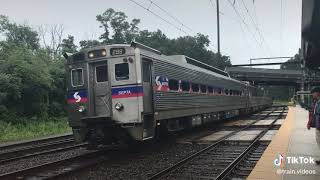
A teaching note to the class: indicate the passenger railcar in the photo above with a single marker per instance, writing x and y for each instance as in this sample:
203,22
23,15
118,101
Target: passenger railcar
132,91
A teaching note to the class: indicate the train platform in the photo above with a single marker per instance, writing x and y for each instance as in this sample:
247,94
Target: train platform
292,151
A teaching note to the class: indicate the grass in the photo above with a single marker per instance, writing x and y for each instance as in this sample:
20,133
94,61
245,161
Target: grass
24,129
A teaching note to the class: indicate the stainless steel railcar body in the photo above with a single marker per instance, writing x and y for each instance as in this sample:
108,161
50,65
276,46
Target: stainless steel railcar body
115,91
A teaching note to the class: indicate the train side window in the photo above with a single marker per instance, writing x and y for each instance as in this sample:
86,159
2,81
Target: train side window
102,73
210,89
195,87
77,77
227,92
173,85
185,86
203,88
219,91
122,71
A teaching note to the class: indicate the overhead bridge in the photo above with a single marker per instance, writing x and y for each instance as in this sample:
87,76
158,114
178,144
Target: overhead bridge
268,76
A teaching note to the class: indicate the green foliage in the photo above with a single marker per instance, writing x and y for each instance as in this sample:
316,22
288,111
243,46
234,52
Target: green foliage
32,83
68,45
88,43
192,46
22,128
30,70
32,80
292,66
125,31
21,35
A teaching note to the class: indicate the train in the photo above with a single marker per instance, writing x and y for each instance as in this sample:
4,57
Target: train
133,92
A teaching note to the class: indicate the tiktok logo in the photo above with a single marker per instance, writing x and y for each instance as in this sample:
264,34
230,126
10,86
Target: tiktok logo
278,161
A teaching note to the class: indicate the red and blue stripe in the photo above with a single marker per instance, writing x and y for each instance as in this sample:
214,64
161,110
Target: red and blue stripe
81,93
125,92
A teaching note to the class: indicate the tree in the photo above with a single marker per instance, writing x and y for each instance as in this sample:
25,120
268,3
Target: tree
88,43
117,29
20,35
292,66
193,46
28,72
68,45
123,31
32,81
51,37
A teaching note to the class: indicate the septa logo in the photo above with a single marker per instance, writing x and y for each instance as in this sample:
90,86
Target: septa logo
278,160
162,83
77,96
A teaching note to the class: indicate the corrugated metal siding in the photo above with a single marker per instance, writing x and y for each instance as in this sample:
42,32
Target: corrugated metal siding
172,101
178,100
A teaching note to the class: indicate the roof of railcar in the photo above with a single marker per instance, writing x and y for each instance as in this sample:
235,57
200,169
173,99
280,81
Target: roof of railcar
175,59
179,62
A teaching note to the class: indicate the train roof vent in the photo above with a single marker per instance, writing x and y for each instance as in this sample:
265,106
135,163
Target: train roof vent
205,66
178,58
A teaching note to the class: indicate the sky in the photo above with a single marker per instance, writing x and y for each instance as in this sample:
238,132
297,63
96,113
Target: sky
272,29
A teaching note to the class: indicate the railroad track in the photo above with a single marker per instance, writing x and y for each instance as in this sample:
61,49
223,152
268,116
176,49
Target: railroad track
244,168
218,160
54,168
37,147
63,167
194,138
12,156
36,143
71,165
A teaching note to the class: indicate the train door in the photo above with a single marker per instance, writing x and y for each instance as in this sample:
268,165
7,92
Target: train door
148,118
101,92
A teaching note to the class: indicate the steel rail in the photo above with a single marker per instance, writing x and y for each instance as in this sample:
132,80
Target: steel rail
32,148
35,141
15,158
235,162
33,171
189,158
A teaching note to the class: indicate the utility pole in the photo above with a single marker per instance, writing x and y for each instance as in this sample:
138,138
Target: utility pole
218,26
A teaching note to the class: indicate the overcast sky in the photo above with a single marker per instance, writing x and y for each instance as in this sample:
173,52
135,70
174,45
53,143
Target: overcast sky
280,29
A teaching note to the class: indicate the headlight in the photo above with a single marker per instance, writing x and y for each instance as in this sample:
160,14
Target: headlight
81,109
91,55
118,106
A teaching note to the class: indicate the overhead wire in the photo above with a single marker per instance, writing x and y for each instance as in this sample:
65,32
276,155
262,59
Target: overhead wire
233,19
256,26
246,25
167,21
170,15
158,16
